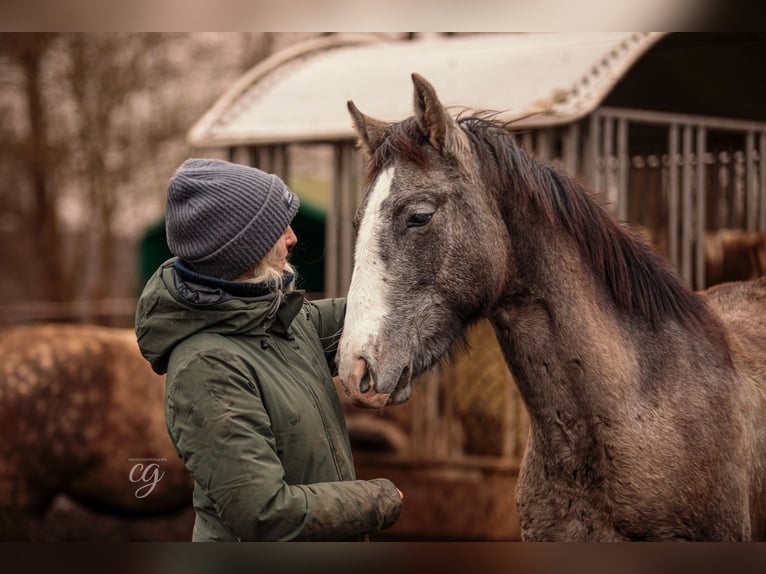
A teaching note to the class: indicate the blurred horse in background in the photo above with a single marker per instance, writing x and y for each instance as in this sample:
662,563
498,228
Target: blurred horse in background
81,414
729,254
734,255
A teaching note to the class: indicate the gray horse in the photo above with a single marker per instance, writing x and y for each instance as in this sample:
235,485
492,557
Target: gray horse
646,400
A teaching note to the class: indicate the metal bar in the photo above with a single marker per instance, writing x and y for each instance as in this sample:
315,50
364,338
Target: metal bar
544,150
594,139
762,182
355,192
732,194
673,196
653,215
253,155
331,226
751,206
571,148
360,161
622,169
346,220
639,210
607,148
712,123
279,160
700,234
717,190
430,412
271,159
284,161
452,447
527,142
510,419
686,206
274,158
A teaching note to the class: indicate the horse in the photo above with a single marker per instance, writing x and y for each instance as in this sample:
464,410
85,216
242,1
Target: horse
734,255
646,400
81,415
729,254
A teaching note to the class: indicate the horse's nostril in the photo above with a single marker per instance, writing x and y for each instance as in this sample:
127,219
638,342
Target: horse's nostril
364,384
361,373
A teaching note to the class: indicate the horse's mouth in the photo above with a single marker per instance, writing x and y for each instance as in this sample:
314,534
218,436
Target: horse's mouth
403,389
364,391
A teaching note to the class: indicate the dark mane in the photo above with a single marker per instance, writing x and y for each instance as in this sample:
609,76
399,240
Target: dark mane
638,280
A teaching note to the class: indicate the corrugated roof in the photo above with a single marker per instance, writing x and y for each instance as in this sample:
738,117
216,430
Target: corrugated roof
300,94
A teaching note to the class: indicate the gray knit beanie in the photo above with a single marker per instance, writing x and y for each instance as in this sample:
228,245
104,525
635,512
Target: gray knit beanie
221,218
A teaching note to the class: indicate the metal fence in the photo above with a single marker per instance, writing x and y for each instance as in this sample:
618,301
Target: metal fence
682,177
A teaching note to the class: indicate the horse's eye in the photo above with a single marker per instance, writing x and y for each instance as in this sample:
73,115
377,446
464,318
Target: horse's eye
419,218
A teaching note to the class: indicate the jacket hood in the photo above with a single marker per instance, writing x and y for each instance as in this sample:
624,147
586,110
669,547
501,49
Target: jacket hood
173,308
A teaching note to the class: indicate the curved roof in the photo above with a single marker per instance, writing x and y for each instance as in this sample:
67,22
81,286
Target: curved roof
300,94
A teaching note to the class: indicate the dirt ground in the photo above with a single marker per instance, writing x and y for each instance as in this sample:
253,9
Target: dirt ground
440,504
68,521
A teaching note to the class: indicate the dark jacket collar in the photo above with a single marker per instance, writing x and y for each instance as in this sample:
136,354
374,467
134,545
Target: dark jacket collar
203,289
234,288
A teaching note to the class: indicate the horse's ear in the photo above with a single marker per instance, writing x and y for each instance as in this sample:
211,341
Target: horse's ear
371,131
434,121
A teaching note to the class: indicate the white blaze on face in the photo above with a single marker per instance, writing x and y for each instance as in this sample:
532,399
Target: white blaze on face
365,304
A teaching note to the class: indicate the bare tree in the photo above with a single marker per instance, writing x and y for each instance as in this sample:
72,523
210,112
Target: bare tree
33,154
119,121
254,48
99,123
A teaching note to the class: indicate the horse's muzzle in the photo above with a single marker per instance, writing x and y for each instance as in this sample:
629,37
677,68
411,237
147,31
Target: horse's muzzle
360,387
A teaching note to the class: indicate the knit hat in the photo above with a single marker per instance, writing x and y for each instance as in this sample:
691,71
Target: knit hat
221,218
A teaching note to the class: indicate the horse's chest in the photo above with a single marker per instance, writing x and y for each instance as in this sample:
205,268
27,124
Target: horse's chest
563,491
553,508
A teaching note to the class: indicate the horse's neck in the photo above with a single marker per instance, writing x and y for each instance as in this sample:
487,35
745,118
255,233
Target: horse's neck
561,339
580,362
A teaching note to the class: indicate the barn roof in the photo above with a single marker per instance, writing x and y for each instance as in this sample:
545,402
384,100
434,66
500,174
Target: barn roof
300,94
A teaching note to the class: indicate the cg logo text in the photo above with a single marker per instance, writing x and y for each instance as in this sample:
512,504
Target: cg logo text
147,475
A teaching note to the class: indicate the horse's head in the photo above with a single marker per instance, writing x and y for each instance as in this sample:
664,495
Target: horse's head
427,259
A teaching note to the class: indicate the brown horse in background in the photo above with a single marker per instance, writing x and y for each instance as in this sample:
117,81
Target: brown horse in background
81,414
734,255
646,400
729,254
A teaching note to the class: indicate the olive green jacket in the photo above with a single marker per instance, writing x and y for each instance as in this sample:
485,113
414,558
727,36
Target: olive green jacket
252,410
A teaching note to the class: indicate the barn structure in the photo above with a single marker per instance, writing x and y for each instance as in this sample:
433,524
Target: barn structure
669,127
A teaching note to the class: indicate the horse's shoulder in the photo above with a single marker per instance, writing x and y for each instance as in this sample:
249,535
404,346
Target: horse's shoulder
737,296
741,306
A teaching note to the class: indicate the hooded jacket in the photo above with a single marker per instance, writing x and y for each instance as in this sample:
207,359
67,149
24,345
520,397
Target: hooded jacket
252,411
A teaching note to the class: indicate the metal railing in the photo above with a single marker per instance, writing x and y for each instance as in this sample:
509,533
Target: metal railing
711,174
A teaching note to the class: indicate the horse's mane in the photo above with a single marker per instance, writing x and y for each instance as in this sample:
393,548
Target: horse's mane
638,280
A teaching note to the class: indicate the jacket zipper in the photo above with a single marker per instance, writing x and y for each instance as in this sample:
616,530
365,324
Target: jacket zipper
265,345
330,439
